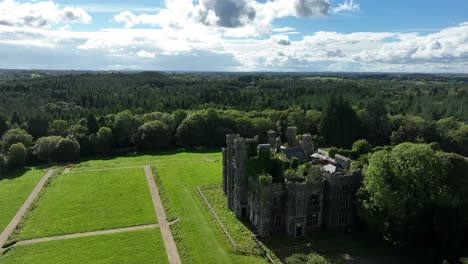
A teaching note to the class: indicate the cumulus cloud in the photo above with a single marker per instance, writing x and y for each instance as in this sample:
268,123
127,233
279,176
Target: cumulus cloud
196,46
309,8
284,42
230,17
226,13
335,53
40,14
347,6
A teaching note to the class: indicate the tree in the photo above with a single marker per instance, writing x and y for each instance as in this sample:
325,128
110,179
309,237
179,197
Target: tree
102,141
2,164
313,118
178,117
412,194
361,147
14,136
191,131
59,128
340,125
3,126
17,156
125,129
92,124
38,126
414,129
398,185
45,148
312,258
15,119
376,123
68,150
154,135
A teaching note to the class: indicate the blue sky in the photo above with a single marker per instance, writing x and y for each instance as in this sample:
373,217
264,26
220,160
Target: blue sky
236,35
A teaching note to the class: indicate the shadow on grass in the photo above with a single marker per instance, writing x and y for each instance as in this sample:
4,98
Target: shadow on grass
9,175
344,247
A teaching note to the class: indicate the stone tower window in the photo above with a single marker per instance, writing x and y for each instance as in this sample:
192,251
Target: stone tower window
312,219
343,217
277,221
345,188
344,202
313,203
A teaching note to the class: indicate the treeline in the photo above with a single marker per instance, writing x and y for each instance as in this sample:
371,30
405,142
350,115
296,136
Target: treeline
339,125
72,96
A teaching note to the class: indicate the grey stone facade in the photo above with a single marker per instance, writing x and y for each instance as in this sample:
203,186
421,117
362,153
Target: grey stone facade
287,207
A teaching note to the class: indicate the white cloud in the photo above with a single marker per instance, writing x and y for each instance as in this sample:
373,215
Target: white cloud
347,6
183,39
145,54
283,29
40,14
232,18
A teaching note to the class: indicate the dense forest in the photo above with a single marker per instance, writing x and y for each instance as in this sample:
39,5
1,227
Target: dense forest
402,130
70,96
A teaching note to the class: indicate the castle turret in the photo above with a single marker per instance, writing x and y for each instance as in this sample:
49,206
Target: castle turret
307,144
272,139
291,137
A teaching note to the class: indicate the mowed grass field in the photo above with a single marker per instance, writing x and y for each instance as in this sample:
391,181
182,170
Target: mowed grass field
136,247
198,237
140,160
14,190
90,201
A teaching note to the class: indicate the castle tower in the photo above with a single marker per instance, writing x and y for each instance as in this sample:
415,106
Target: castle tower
272,139
240,184
228,169
307,144
291,133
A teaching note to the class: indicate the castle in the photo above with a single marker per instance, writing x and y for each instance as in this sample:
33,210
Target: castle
259,190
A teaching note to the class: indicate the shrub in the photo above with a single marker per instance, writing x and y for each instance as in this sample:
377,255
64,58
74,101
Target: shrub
14,136
154,135
17,156
45,148
362,147
265,180
312,258
332,152
68,149
294,163
102,141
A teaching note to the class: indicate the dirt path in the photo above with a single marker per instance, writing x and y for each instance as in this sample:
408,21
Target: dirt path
171,248
87,234
15,221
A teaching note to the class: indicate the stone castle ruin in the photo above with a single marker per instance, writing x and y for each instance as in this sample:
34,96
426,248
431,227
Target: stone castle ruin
290,188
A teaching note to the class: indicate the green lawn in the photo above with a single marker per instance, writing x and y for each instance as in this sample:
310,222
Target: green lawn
14,190
140,160
91,201
198,237
135,247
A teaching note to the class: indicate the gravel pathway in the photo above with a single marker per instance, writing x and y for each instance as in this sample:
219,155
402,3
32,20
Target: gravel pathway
171,248
87,234
15,221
